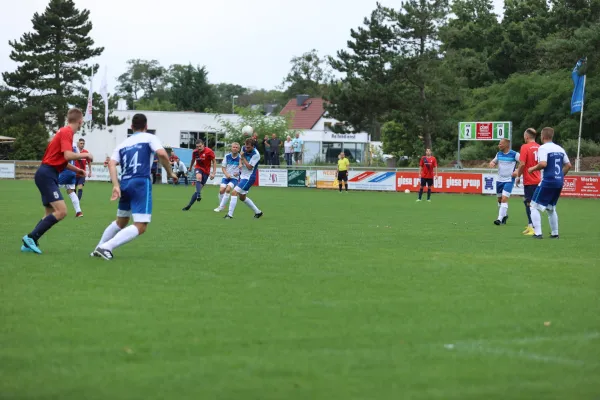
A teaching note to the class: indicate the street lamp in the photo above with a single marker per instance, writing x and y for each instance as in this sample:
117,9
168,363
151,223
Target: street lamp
233,99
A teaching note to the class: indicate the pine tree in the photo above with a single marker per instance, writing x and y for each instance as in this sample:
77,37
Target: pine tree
30,141
52,62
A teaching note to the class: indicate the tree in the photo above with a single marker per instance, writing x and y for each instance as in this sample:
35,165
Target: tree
52,62
155,104
144,79
30,141
224,93
189,87
98,120
309,75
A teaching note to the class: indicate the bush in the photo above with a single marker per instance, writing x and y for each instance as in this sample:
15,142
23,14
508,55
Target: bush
589,148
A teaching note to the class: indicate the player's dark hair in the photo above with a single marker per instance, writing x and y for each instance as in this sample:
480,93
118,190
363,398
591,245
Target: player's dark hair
139,122
82,140
198,141
249,142
531,132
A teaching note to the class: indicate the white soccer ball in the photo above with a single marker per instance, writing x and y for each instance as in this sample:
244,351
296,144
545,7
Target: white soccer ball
407,191
247,130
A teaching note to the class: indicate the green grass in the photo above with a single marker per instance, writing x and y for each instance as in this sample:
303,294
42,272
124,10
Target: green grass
329,296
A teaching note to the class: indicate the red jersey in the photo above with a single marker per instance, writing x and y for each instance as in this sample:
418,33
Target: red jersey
82,163
203,159
529,157
61,142
427,165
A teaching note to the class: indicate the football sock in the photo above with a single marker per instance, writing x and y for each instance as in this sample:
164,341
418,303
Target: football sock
340,186
251,204
536,218
221,197
503,211
124,236
553,219
346,185
198,187
420,193
80,194
232,204
528,211
109,233
193,200
224,200
428,193
42,227
75,201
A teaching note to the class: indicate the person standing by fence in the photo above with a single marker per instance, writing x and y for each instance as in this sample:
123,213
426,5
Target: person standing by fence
289,150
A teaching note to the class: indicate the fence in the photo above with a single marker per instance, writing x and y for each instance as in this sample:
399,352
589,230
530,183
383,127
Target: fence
450,180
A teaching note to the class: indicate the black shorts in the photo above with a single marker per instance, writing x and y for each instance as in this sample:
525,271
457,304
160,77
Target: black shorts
529,190
342,176
427,181
46,180
80,181
204,177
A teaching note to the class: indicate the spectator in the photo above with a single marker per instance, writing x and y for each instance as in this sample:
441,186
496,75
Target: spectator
267,154
289,151
275,143
180,169
298,145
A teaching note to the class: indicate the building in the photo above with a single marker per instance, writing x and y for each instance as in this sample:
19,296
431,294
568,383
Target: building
321,143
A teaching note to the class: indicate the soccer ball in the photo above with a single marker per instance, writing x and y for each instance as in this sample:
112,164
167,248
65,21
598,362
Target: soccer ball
247,130
407,191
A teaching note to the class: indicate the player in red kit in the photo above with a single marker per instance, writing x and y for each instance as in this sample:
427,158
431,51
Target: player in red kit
202,159
529,158
428,165
82,164
56,158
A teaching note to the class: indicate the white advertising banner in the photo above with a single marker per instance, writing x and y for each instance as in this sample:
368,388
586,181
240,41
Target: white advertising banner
369,180
7,170
273,177
311,179
100,173
488,185
326,179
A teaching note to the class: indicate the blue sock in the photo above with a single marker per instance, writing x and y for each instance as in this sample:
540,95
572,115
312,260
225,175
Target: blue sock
428,193
198,187
193,200
42,227
528,211
420,193
80,193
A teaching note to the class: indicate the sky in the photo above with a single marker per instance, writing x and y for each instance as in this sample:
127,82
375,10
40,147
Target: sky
249,43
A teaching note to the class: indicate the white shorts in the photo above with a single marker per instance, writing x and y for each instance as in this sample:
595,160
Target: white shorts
67,187
143,218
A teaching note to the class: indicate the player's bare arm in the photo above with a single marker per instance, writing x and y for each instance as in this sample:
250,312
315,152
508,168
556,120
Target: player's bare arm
112,170
541,165
566,168
225,173
71,156
246,163
163,157
214,169
73,168
191,168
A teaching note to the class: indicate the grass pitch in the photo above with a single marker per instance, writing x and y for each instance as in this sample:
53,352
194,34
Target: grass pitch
328,296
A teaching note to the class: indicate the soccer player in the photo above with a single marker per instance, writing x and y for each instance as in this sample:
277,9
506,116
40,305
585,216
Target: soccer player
342,171
554,162
136,155
231,170
204,158
67,180
426,173
56,158
528,157
507,160
82,164
249,161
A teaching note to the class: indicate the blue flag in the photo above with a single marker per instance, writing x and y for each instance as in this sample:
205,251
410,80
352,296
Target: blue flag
578,76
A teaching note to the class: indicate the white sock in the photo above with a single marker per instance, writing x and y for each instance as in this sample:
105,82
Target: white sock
251,204
124,236
232,204
75,201
553,219
109,233
503,211
221,197
536,218
499,204
224,200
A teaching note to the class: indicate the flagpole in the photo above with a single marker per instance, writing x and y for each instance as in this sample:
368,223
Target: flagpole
578,160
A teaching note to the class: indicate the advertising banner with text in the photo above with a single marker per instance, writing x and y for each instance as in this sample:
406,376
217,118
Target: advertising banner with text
368,180
326,179
7,170
581,186
296,178
445,182
273,177
489,185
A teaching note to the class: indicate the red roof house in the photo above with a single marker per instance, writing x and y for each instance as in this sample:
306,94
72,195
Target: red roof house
307,111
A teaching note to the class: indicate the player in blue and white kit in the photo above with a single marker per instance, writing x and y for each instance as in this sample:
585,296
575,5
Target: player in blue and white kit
231,170
249,160
135,155
555,164
67,180
507,160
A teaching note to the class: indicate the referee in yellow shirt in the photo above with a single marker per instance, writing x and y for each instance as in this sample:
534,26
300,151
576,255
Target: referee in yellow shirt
342,171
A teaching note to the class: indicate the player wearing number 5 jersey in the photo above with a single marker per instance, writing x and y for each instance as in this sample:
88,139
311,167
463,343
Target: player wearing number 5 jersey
135,155
555,164
528,158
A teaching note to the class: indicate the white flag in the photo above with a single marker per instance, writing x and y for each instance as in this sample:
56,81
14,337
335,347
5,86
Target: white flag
104,94
88,109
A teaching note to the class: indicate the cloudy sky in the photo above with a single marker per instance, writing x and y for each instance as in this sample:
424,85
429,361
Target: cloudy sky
239,41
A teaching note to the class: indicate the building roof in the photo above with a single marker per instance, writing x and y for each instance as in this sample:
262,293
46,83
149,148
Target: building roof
6,139
305,115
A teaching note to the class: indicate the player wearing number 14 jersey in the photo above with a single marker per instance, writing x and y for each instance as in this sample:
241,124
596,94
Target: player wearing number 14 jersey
135,155
528,158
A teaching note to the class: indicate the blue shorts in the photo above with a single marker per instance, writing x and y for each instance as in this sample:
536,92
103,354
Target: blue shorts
244,185
229,182
529,190
545,198
504,188
67,179
204,176
136,199
80,181
46,180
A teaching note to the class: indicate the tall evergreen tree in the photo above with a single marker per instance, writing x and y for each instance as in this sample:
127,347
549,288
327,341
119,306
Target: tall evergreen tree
190,90
52,62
